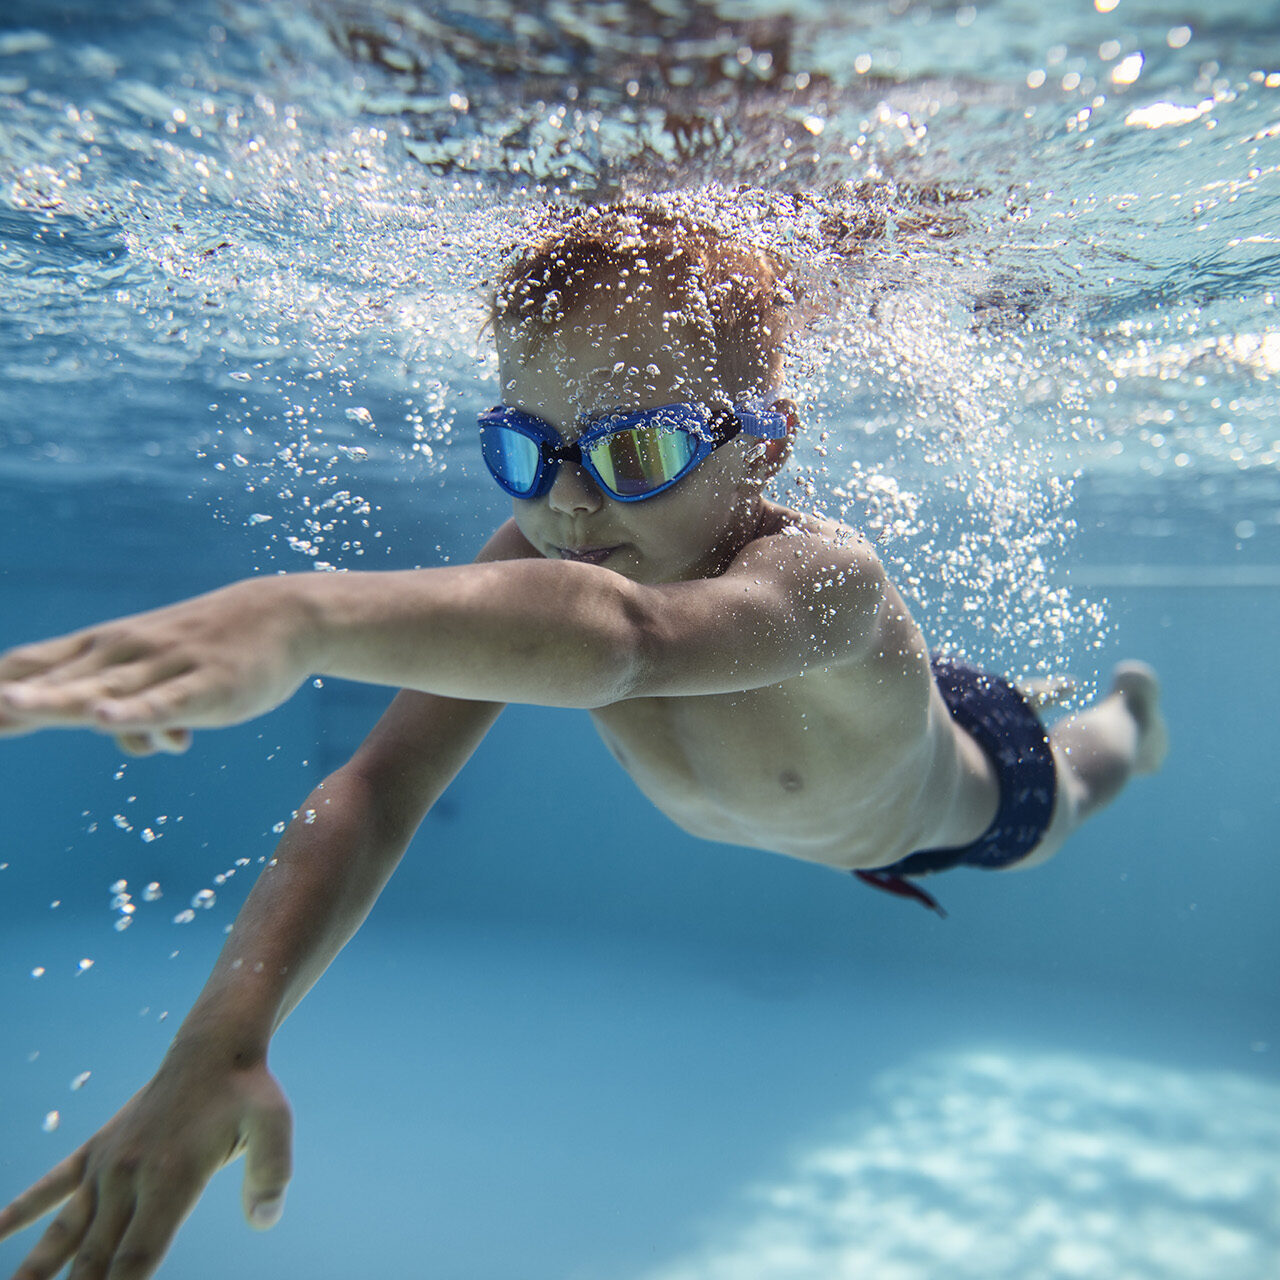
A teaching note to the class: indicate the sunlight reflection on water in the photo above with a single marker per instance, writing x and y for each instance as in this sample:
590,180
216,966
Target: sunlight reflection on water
995,1164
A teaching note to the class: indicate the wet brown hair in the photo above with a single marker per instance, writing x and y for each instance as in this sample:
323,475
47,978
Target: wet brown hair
734,295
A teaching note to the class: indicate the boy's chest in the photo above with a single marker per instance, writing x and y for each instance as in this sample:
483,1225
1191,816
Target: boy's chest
789,768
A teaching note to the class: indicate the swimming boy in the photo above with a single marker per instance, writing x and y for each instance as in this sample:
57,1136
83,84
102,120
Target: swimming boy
751,667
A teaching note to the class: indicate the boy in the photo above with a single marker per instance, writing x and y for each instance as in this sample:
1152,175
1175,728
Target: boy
751,667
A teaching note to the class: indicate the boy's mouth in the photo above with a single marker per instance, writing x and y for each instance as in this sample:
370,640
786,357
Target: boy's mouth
586,555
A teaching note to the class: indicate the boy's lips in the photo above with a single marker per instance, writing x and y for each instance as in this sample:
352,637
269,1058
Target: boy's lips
586,555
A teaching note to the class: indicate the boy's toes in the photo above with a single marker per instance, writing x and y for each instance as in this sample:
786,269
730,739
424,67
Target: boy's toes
1138,684
1044,693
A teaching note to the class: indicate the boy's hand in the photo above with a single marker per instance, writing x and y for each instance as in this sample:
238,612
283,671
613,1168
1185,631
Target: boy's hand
214,660
129,1188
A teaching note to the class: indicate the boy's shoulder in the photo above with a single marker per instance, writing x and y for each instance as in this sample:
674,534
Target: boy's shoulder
808,544
825,582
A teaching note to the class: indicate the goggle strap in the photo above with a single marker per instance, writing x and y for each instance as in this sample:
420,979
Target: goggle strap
764,424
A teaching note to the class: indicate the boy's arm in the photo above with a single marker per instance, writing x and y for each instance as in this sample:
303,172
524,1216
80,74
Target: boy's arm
127,1190
517,629
561,633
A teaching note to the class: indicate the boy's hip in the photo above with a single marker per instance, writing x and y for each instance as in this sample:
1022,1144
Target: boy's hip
1011,735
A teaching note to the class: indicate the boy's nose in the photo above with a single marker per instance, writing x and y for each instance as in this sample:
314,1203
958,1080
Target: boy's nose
573,490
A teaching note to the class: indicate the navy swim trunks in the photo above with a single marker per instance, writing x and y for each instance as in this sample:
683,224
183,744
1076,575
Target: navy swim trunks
1011,736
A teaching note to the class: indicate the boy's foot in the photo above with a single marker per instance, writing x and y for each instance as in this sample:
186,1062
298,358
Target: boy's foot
1138,686
1047,693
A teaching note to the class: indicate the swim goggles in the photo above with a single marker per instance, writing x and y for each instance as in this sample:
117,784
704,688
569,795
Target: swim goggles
631,454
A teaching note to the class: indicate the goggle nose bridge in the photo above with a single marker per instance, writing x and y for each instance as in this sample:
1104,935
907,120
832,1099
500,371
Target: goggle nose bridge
561,452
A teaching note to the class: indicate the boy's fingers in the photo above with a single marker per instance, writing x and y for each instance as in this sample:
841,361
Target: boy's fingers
111,1215
183,698
138,702
268,1164
90,660
56,1185
154,1224
31,659
59,1242
75,690
11,726
39,703
173,741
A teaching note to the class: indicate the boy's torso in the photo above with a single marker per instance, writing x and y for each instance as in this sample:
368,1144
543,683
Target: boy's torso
854,764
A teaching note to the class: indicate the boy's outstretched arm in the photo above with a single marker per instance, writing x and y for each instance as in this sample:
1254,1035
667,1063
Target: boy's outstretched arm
515,629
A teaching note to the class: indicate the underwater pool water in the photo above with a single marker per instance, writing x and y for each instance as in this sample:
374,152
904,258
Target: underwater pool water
242,257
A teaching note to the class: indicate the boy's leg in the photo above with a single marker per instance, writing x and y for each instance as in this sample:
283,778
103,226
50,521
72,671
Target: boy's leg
1099,750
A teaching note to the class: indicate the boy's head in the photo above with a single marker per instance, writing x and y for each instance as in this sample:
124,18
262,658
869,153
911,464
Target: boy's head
723,301
631,310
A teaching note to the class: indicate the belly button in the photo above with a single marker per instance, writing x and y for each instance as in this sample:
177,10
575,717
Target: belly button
791,781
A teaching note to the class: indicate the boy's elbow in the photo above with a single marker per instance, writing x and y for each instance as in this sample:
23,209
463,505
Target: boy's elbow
629,651
381,804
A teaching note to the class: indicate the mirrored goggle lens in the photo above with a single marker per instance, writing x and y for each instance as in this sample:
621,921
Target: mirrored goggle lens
641,459
511,456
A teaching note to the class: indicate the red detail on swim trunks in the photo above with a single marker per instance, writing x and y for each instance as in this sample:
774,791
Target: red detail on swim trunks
902,887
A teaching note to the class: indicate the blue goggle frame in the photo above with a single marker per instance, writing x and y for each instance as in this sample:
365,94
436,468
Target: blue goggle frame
631,454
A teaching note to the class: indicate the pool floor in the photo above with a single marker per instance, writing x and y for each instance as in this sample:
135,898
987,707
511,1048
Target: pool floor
484,1104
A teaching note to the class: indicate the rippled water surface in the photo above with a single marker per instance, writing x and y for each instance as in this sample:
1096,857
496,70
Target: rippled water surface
246,260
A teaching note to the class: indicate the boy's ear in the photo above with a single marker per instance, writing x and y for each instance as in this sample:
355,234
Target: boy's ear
768,456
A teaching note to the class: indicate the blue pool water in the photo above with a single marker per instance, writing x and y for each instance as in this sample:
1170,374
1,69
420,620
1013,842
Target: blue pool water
241,257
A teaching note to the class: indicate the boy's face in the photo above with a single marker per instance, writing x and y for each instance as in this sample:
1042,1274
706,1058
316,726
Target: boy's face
611,354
